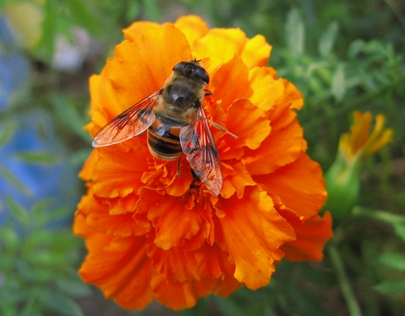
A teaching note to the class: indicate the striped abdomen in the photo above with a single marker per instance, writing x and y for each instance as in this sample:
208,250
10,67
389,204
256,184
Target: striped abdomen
163,140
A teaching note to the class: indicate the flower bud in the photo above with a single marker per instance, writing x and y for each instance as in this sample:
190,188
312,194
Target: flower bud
343,177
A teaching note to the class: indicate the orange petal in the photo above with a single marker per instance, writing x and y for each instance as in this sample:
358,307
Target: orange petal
170,232
99,218
134,31
88,167
236,179
180,295
252,232
118,266
262,81
299,185
220,45
230,82
311,239
250,126
104,104
256,52
192,26
139,68
284,145
177,265
119,173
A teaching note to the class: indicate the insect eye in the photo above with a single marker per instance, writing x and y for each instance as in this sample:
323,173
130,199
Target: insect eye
202,74
190,69
180,66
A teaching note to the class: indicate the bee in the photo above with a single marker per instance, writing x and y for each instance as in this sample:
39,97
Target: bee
175,122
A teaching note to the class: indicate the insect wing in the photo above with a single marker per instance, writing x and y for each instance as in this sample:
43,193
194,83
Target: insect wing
201,152
129,123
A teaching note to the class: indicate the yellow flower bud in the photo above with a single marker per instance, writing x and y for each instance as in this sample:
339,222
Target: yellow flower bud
343,177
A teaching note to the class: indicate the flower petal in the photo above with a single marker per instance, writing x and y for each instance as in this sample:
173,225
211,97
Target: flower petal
252,232
236,179
256,52
134,32
170,232
122,169
178,265
311,239
193,27
98,217
118,266
250,125
230,82
284,145
299,185
180,295
220,45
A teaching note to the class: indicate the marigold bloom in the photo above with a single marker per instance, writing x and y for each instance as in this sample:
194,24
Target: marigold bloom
149,234
343,177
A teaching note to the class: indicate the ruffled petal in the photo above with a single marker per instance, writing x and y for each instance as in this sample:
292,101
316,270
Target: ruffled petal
122,169
311,239
180,295
134,32
220,45
120,267
284,145
256,52
193,27
299,185
170,231
252,233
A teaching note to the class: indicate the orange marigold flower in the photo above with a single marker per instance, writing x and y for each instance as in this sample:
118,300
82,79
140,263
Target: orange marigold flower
152,234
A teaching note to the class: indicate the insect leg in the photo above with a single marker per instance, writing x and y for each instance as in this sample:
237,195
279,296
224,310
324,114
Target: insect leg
222,128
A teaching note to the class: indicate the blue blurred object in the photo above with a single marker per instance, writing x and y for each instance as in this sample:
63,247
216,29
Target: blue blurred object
28,181
34,166
14,69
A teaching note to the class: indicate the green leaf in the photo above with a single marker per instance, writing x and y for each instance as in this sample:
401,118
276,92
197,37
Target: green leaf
393,260
355,48
390,287
46,44
60,303
70,116
7,131
37,158
399,229
229,306
327,40
8,239
24,269
268,311
338,88
151,9
21,214
295,33
10,178
73,287
87,16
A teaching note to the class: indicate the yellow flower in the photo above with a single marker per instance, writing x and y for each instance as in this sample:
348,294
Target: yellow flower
360,142
343,177
153,235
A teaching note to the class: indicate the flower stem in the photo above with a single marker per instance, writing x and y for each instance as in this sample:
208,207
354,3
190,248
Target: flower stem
348,295
382,216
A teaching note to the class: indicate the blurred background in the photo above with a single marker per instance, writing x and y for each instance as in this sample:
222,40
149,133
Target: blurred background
343,56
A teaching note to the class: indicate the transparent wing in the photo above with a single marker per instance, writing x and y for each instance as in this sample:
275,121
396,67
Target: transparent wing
129,123
201,152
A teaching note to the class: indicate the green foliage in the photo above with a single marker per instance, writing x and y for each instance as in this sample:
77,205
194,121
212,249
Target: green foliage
38,266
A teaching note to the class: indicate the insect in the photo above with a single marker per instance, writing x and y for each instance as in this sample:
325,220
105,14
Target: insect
175,122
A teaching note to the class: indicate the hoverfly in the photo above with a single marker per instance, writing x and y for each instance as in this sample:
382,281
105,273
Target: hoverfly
175,122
